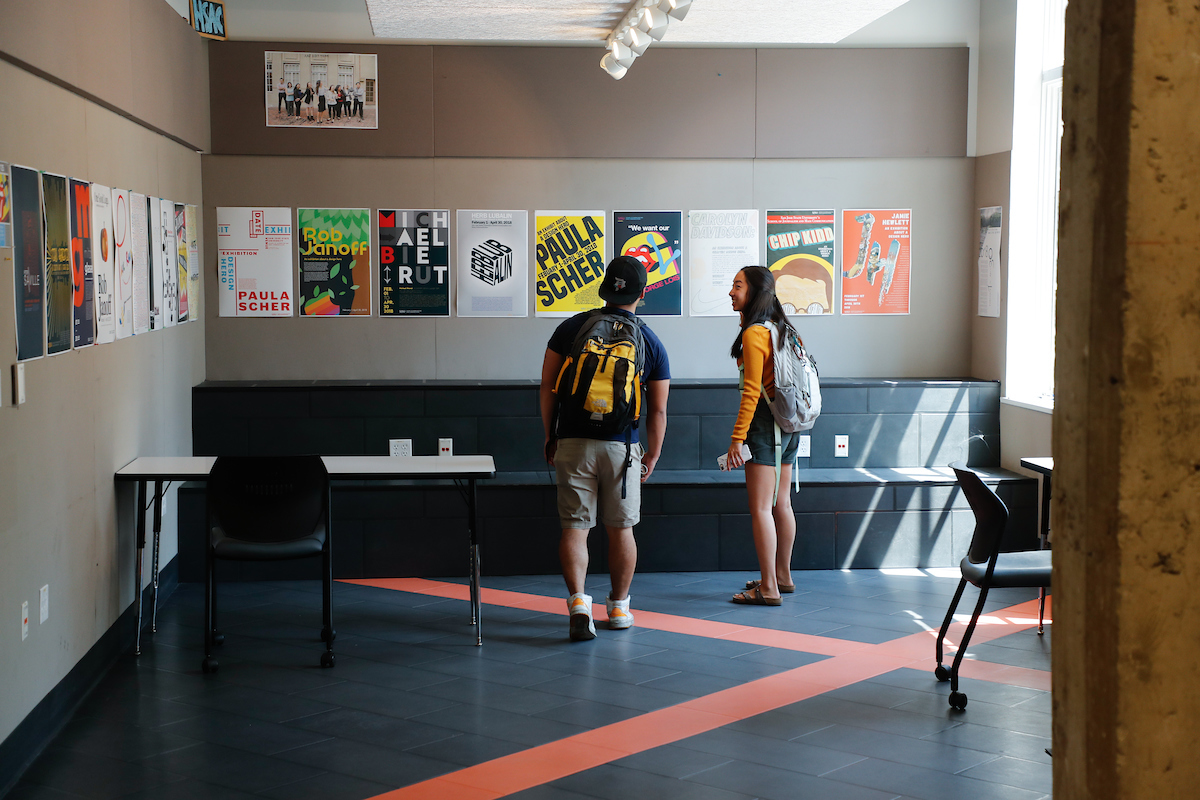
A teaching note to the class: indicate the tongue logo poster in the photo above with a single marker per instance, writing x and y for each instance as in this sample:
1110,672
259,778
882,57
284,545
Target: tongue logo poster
335,262
654,238
83,316
570,261
414,263
56,224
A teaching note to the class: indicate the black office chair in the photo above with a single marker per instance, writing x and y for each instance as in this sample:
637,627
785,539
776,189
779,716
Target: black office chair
986,567
267,509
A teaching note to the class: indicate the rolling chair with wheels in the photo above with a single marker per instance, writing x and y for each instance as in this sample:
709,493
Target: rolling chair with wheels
267,509
986,567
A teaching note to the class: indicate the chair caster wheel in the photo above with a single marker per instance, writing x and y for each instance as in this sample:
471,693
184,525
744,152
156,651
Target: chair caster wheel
218,639
941,673
327,636
958,700
327,659
208,665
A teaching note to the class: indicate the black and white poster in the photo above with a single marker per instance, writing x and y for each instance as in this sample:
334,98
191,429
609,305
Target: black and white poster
493,263
414,263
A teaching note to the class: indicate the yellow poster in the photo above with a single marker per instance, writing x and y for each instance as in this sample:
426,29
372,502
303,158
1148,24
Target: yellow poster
570,261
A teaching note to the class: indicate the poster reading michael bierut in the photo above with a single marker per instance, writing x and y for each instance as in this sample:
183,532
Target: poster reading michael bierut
720,243
493,263
414,263
254,262
321,90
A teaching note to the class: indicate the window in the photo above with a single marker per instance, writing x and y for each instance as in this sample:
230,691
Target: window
291,72
1033,237
270,81
370,91
345,75
318,74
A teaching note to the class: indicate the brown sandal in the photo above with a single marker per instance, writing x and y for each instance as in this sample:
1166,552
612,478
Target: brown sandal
756,598
784,588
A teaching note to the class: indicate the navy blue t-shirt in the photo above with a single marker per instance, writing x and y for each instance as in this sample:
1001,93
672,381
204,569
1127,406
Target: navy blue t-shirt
658,368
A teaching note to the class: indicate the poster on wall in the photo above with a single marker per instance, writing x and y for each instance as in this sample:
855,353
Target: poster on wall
139,243
414,263
720,243
322,90
335,262
56,228
570,251
170,272
493,263
800,251
158,316
122,263
192,225
83,298
27,263
181,262
5,205
654,238
990,221
877,246
103,258
254,262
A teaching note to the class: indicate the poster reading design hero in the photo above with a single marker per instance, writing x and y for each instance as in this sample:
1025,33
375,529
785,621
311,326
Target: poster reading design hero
254,262
654,238
27,263
876,256
56,224
493,263
720,243
414,263
800,248
335,262
83,316
570,261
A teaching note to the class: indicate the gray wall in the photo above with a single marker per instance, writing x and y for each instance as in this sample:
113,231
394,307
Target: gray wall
91,411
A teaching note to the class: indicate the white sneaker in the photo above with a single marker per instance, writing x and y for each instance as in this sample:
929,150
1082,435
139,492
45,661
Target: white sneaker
580,608
619,617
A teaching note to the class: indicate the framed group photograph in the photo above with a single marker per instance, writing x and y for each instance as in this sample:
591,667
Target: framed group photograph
311,90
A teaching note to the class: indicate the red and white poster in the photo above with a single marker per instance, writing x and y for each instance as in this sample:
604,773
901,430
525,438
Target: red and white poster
876,260
254,262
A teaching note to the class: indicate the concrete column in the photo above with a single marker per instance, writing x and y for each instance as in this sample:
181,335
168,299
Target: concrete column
1126,510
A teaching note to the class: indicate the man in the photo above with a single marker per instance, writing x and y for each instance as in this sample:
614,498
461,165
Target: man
596,481
282,95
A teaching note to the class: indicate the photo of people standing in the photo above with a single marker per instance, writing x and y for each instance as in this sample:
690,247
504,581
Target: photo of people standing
321,89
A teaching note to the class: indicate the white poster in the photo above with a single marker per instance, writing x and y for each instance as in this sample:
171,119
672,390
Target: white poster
990,220
139,234
158,319
193,261
254,262
720,243
170,273
103,258
123,262
493,263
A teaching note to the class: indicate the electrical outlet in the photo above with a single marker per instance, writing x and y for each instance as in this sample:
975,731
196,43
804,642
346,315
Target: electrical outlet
18,384
445,447
400,447
44,604
841,446
24,620
804,450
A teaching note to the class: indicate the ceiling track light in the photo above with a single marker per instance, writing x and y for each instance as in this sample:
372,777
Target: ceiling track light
654,22
645,23
610,65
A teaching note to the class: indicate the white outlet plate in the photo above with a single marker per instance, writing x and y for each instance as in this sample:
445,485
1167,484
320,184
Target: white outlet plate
18,384
24,620
841,446
804,450
400,447
445,447
44,604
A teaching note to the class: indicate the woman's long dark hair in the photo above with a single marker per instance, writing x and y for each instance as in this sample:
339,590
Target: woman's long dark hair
761,306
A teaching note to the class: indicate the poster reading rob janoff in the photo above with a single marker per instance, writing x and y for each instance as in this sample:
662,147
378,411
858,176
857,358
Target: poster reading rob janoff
335,262
876,260
654,238
570,261
800,250
414,263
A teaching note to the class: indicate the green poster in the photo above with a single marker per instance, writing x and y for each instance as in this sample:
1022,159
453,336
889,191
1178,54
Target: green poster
335,261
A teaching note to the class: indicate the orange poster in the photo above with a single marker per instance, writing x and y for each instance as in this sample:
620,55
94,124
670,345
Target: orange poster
876,260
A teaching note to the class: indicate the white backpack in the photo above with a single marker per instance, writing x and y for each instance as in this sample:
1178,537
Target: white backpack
797,402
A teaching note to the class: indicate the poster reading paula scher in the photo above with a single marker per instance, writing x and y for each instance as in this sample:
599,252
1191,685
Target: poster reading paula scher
103,258
414,263
122,262
655,239
800,251
569,246
720,243
83,298
335,262
876,260
56,226
254,262
493,263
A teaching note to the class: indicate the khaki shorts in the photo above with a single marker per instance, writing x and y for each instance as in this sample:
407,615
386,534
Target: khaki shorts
589,475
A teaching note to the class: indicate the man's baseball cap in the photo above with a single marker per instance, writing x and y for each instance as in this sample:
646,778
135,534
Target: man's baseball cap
624,281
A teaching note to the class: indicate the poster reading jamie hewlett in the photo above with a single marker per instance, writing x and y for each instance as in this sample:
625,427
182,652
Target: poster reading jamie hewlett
83,298
493,263
655,239
322,90
122,263
103,256
5,205
254,262
876,260
56,227
139,238
800,251
719,244
335,262
569,246
414,263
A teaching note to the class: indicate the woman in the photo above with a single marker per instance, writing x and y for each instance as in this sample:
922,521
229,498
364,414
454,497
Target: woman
320,102
298,98
308,100
771,518
291,108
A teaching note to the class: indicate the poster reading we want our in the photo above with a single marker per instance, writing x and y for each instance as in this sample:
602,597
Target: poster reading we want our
570,261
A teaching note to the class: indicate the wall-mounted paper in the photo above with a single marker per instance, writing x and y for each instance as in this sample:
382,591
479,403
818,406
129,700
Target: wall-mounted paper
335,262
800,251
181,261
104,254
139,235
990,222
493,263
569,246
193,261
56,225
414,263
254,262
655,239
123,263
170,272
83,297
720,243
876,260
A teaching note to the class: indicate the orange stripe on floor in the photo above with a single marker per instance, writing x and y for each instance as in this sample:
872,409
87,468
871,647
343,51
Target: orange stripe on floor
850,663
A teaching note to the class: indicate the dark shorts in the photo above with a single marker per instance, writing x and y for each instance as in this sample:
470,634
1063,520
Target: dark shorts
761,438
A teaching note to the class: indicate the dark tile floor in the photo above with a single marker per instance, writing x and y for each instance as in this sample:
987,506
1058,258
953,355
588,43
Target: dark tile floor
412,698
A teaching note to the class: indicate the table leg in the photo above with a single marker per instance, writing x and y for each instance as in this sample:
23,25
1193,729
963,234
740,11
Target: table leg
473,523
158,492
1045,537
137,581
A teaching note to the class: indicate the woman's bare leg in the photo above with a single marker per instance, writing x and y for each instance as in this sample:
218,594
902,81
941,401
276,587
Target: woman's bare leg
760,486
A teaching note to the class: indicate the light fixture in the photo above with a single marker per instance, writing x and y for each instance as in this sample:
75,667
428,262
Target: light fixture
622,54
677,9
643,24
654,22
637,39
610,65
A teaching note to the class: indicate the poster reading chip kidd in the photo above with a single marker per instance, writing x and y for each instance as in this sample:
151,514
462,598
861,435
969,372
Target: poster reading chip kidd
569,246
493,263
800,251
720,243
254,262
414,263
335,262
655,239
876,260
